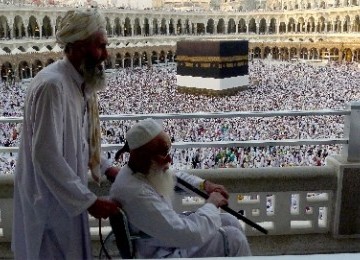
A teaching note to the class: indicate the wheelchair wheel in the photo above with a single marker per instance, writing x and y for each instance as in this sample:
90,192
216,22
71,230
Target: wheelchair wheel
111,248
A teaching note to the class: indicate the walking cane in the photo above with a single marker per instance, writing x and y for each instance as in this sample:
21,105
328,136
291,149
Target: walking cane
225,208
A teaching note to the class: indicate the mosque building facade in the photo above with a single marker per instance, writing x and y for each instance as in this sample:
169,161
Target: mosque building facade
147,37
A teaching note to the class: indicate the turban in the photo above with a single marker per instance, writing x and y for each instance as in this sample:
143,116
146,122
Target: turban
143,132
79,24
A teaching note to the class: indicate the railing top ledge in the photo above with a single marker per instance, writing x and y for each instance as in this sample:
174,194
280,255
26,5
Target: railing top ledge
229,114
249,180
300,178
275,172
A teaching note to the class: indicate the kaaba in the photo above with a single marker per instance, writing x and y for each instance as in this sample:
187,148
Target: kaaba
212,65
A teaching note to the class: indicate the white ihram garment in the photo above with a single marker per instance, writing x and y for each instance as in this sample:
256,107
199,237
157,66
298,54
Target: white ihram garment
173,234
51,196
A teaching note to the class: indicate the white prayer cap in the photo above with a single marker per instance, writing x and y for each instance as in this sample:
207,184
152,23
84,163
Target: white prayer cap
79,24
143,132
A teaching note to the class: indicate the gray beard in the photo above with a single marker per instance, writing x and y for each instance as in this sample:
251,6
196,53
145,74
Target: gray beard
162,181
94,77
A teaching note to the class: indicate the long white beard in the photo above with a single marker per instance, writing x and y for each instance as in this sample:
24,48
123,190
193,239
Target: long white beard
161,180
94,76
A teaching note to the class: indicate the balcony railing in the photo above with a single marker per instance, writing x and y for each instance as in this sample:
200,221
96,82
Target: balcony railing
305,209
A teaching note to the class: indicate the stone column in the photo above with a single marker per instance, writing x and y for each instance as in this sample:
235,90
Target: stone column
53,26
183,27
215,27
132,28
151,29
5,29
26,25
113,61
11,26
159,28
341,27
341,55
175,25
149,59
123,29
40,30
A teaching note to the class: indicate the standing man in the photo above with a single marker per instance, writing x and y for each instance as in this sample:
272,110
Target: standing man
144,188
60,143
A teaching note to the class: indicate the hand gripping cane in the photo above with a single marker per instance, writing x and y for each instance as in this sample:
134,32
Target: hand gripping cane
225,208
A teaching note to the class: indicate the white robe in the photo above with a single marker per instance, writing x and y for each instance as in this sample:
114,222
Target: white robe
173,235
51,196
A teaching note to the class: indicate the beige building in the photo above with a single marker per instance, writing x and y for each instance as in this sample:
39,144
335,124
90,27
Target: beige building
308,4
185,4
223,5
238,5
157,3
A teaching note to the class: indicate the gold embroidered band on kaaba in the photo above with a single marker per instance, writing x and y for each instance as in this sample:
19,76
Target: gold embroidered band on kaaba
212,65
201,59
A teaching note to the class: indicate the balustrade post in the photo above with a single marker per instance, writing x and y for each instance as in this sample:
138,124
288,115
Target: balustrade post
346,222
347,203
352,131
6,206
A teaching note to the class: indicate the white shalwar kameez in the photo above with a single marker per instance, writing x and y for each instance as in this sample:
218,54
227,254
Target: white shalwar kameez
201,234
51,196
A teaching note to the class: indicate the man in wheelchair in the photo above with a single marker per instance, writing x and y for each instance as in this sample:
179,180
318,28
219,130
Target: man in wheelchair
144,188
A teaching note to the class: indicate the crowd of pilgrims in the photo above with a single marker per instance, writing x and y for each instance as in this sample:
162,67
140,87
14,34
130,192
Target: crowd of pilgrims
273,86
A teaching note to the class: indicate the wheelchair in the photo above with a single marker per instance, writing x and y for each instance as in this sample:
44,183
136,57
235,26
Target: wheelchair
109,249
119,243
